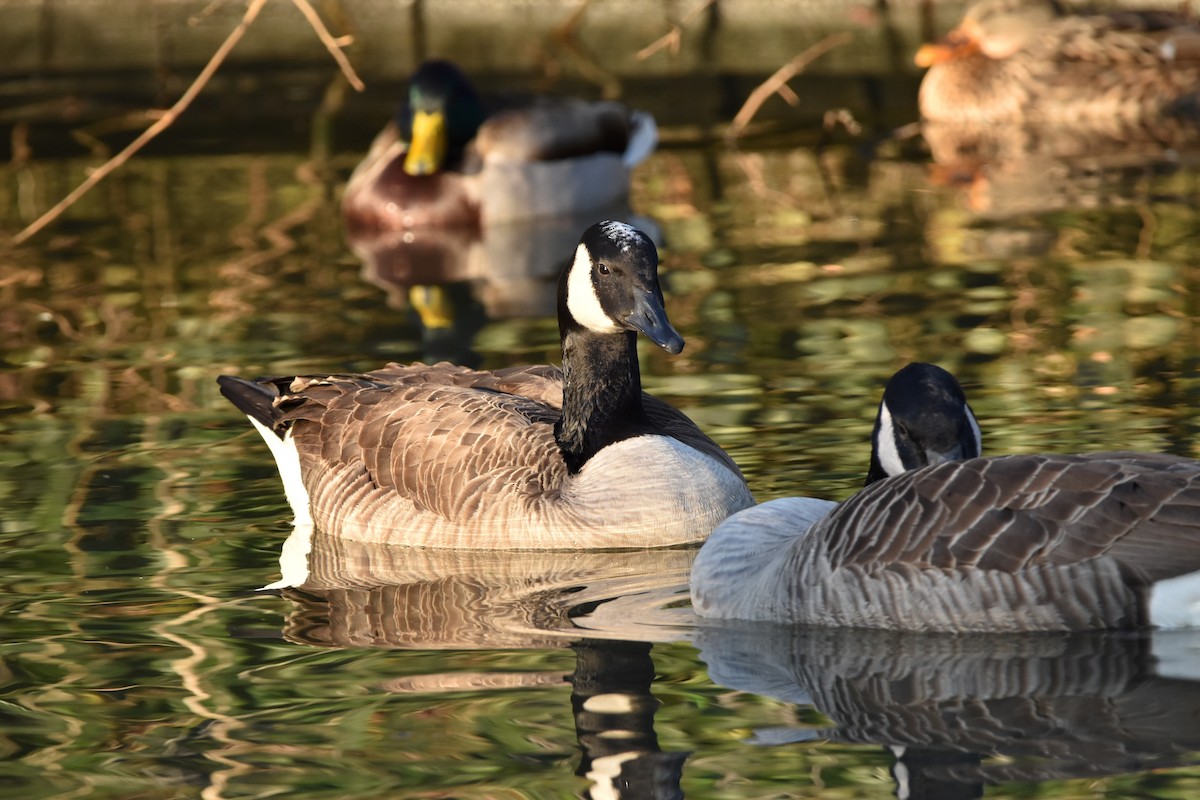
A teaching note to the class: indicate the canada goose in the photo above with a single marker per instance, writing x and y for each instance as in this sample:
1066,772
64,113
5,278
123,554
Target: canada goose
1007,543
519,458
1026,62
445,161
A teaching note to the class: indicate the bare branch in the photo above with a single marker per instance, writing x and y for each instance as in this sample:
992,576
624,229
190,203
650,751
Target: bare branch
672,38
164,122
331,44
776,82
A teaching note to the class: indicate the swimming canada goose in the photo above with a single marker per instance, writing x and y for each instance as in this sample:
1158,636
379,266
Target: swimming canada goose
447,161
1026,61
1007,543
519,458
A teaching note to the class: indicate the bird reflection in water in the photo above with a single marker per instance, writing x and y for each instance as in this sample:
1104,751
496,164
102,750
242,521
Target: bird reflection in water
353,595
457,280
1033,107
960,713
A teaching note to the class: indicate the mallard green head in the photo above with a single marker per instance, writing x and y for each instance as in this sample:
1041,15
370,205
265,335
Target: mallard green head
439,117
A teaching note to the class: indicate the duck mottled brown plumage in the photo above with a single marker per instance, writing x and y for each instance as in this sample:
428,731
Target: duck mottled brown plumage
1025,61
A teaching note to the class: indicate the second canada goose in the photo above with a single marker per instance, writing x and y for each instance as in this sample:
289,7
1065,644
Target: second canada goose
520,458
923,419
1006,543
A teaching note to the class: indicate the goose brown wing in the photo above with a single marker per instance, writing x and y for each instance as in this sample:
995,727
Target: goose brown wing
1013,512
442,437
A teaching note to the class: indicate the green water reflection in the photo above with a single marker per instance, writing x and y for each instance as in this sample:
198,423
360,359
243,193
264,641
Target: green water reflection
140,513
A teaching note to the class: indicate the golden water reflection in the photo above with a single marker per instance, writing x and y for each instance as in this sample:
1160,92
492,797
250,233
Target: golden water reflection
141,512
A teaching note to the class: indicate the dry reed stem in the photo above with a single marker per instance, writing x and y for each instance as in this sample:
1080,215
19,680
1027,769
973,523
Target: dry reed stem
672,39
333,45
776,82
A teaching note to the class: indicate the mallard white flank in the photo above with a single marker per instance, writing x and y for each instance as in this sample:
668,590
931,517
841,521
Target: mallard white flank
522,458
1008,543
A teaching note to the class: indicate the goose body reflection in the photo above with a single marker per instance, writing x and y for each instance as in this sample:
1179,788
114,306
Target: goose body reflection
367,595
523,458
361,594
449,161
963,712
1006,543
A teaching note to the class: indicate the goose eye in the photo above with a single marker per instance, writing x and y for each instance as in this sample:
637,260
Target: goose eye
603,268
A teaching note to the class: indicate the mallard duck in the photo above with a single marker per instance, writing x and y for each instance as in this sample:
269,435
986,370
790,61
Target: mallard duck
520,458
444,160
1000,544
1025,61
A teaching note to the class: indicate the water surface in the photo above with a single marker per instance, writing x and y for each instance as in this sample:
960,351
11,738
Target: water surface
141,514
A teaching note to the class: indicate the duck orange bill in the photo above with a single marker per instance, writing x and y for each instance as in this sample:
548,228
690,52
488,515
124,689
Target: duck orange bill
935,53
427,150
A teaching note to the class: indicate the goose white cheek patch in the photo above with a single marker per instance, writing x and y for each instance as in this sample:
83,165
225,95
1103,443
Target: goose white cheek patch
582,301
978,434
889,456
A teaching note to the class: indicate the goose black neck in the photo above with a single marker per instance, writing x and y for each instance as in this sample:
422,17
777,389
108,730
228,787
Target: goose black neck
602,392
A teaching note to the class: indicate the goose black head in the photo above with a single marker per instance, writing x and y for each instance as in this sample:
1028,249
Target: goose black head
440,116
612,286
923,419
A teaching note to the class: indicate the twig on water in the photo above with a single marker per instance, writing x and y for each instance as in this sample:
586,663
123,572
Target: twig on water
778,81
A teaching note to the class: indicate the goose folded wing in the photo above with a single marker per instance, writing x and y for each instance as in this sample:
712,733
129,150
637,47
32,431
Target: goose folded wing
443,446
1015,512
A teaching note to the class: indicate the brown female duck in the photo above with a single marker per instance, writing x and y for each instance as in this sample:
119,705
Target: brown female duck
1012,61
447,161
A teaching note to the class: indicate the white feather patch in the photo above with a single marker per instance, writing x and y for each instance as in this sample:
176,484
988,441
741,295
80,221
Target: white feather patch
287,459
604,773
1175,602
900,772
885,444
293,558
1176,654
974,429
582,301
